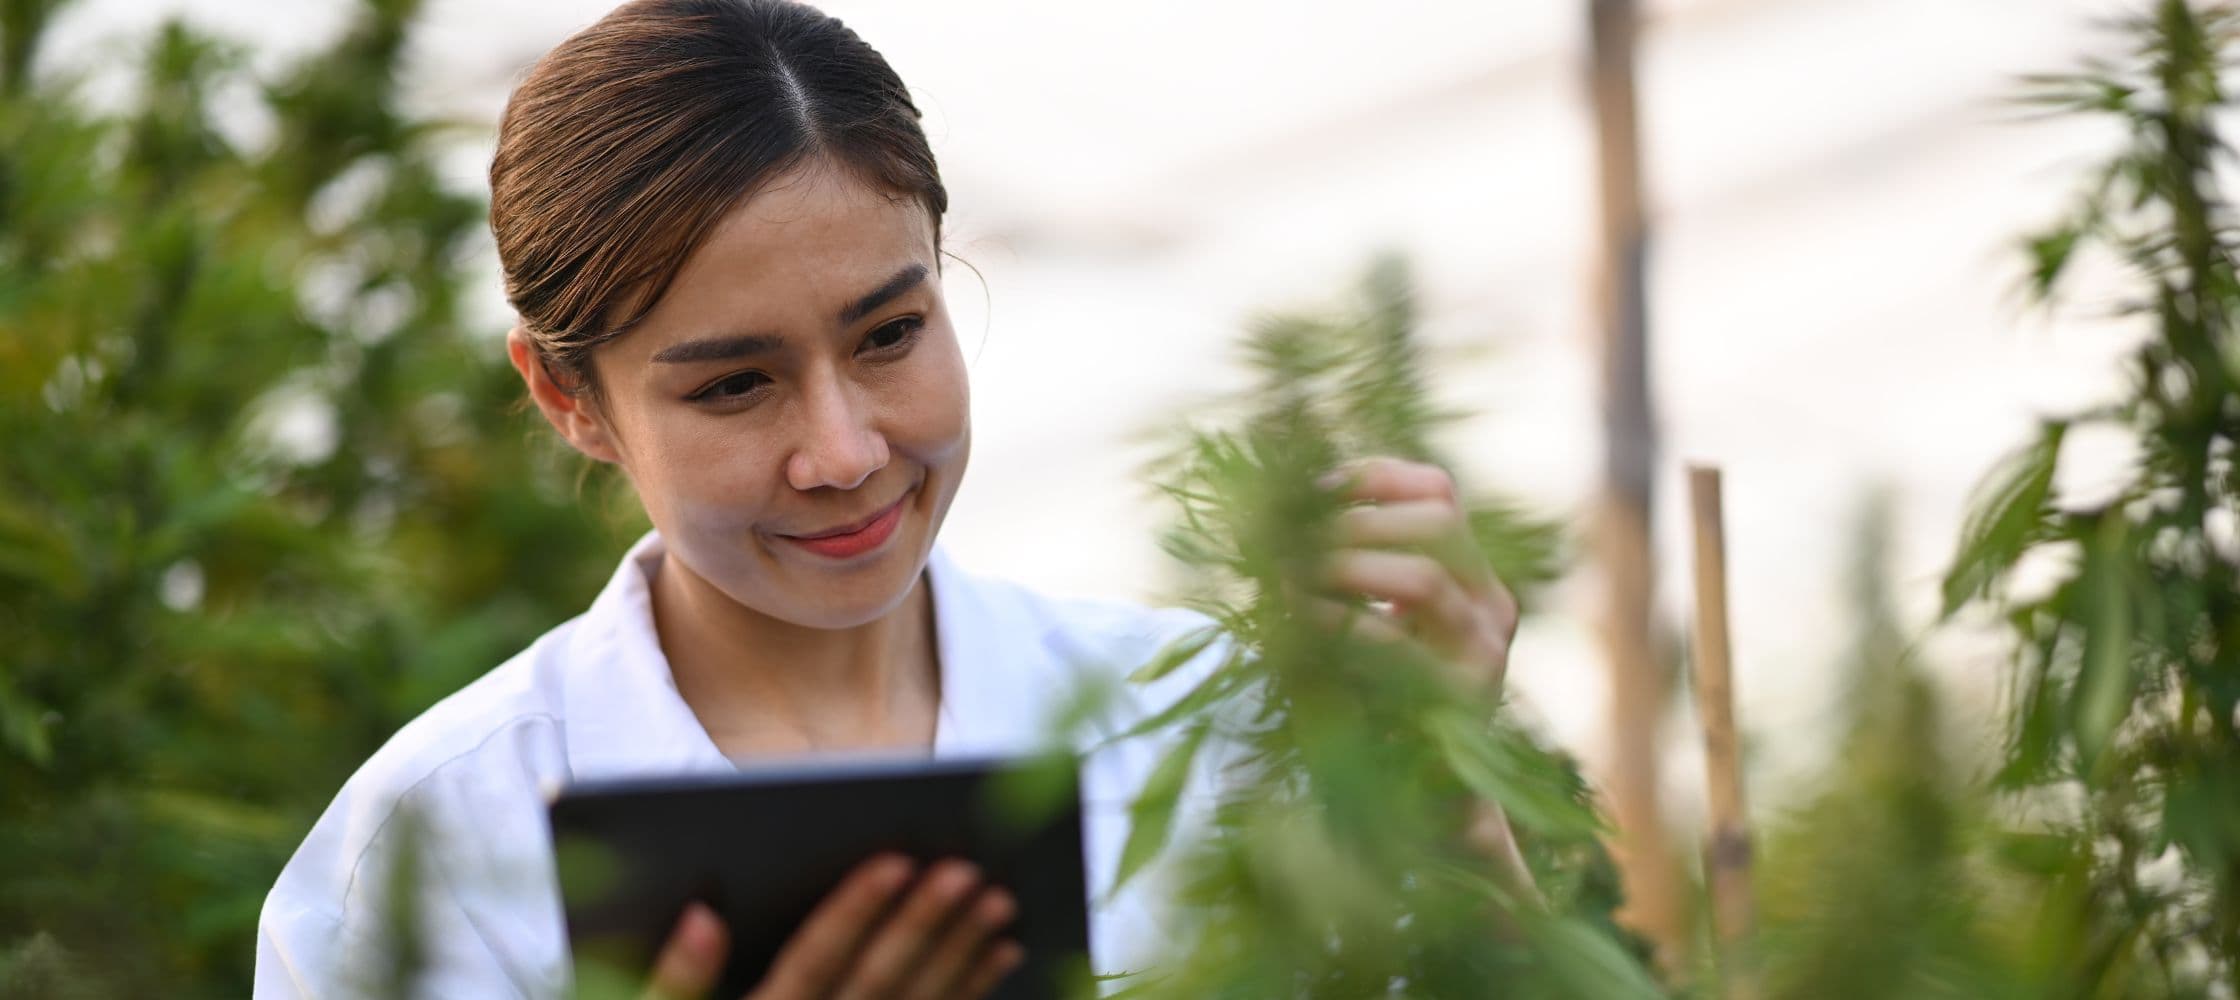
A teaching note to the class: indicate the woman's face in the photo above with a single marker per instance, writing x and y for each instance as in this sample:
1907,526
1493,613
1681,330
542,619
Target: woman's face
793,412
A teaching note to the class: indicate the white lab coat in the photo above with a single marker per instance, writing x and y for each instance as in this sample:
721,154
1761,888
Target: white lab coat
593,699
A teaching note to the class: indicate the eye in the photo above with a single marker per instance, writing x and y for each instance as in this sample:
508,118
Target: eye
892,337
737,385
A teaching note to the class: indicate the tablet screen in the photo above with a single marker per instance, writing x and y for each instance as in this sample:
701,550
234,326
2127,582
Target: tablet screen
764,846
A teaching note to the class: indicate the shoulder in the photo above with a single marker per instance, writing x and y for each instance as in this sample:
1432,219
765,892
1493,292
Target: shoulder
1089,628
1077,660
492,746
1078,639
450,811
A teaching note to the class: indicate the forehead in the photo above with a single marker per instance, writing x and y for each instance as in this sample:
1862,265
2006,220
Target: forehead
810,240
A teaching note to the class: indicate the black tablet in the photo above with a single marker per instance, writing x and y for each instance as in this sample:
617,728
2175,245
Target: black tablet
764,846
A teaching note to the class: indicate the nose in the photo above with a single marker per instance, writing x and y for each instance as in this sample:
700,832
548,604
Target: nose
840,447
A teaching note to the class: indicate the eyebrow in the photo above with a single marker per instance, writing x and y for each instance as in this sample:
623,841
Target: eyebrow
903,281
727,347
723,347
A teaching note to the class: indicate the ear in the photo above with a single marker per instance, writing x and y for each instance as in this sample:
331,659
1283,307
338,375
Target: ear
571,413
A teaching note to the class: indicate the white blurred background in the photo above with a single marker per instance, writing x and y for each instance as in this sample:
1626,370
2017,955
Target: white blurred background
1838,187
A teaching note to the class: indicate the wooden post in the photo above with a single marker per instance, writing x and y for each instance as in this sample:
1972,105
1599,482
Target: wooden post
1726,860
1623,546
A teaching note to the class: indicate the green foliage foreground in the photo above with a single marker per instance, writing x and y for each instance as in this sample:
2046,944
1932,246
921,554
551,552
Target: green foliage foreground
2126,724
2102,861
263,495
1339,862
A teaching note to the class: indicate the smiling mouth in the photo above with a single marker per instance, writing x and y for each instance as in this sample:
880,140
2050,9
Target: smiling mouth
856,538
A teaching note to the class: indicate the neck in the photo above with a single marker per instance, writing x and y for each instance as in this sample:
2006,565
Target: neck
763,686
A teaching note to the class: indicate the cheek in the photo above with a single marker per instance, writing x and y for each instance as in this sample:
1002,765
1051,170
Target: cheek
692,470
932,415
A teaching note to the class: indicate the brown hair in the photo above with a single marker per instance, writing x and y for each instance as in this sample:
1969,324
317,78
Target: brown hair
627,143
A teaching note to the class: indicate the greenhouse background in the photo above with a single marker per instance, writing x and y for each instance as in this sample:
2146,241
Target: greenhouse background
1837,189
1837,193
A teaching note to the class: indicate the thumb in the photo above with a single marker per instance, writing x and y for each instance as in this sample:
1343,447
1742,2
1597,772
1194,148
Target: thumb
689,964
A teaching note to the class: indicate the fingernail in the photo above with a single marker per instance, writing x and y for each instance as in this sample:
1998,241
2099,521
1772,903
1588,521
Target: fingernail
963,874
895,869
702,930
999,908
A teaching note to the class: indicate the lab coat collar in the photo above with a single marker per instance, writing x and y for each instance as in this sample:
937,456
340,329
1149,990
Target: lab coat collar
624,717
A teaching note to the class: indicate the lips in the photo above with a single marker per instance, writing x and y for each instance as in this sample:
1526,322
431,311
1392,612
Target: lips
856,538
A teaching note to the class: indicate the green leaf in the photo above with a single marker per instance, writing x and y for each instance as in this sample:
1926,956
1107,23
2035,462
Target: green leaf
2006,521
2049,256
1176,653
1216,685
1585,961
2105,680
2034,732
1151,815
1499,765
23,725
1025,795
1525,552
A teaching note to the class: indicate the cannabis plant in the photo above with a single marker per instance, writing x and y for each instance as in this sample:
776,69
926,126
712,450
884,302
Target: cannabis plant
1338,859
264,494
2123,730
1884,880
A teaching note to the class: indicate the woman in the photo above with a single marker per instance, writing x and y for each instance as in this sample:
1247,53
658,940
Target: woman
720,225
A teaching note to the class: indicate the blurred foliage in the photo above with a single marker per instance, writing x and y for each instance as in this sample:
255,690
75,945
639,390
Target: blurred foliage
264,495
1889,880
2099,855
2127,693
1337,863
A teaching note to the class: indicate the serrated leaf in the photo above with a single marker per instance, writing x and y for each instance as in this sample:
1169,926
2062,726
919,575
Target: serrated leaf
1497,765
1525,552
1216,685
2006,520
1151,815
1176,653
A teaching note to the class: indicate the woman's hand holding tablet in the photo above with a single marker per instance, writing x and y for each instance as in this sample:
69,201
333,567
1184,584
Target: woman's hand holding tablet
881,933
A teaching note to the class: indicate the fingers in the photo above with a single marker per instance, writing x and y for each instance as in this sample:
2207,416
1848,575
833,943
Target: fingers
1393,480
824,949
878,937
1434,527
1348,619
993,965
1410,505
894,957
692,960
1471,629
1415,584
956,957
1409,547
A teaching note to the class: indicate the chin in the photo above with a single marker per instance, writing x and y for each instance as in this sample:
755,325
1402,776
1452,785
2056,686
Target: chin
854,605
845,595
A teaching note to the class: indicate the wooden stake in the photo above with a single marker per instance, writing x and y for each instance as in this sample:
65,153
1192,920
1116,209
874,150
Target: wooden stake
1727,854
1624,549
